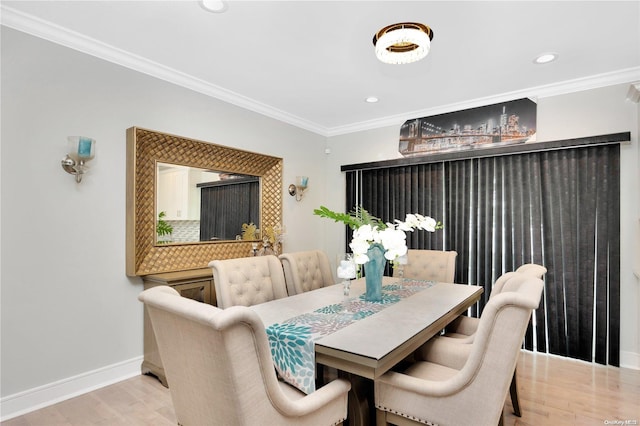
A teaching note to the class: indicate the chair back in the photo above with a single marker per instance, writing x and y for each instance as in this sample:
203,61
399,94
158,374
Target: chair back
432,265
529,269
306,270
532,269
248,281
500,282
219,368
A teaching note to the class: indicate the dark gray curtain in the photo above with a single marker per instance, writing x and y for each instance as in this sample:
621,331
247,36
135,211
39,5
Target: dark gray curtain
557,208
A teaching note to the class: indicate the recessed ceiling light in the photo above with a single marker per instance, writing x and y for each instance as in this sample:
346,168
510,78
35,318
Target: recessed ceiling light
215,6
545,58
371,100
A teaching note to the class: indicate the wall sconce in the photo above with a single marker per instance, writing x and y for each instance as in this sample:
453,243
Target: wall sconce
80,150
298,189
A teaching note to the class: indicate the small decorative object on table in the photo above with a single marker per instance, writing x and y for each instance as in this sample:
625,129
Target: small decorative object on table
374,242
346,271
399,265
266,249
274,236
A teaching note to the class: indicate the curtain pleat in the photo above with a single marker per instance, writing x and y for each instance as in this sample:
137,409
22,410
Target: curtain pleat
458,220
559,208
611,294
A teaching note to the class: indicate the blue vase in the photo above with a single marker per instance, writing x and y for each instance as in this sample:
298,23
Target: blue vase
373,271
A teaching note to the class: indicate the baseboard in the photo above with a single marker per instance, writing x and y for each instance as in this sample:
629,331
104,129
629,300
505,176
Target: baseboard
630,360
33,399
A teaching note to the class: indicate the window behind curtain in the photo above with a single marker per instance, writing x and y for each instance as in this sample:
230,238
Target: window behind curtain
557,208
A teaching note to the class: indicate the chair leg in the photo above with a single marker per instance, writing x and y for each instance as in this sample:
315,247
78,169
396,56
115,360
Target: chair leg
320,376
513,390
381,418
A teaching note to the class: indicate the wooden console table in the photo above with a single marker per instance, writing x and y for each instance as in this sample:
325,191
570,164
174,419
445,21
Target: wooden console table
196,284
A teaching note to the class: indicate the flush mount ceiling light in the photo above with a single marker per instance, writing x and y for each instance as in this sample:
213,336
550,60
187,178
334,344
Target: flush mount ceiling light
215,6
403,43
545,58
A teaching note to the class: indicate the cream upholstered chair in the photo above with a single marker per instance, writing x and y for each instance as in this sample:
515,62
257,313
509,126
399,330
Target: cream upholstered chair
306,270
473,392
532,269
220,371
464,327
248,281
432,265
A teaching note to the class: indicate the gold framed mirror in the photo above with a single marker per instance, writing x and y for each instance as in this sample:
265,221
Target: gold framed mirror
147,148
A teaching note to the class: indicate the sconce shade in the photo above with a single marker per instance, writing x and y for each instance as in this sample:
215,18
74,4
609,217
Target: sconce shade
81,148
301,182
298,189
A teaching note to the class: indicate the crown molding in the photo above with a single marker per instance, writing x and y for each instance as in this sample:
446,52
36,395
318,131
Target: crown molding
57,34
560,88
46,30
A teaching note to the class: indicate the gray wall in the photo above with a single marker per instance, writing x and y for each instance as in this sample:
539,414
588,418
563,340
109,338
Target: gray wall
68,309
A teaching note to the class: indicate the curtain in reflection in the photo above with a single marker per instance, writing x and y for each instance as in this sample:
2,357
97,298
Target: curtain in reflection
557,208
226,206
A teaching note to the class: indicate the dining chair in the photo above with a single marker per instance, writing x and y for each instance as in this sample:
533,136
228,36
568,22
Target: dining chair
306,270
248,281
220,372
532,269
432,265
463,328
474,390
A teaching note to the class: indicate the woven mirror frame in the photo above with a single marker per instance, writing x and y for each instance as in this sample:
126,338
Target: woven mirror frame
145,148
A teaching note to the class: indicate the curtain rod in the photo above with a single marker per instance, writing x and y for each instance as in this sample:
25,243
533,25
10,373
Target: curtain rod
493,152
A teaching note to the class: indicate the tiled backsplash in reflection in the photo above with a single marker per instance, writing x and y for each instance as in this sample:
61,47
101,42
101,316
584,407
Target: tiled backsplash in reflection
185,230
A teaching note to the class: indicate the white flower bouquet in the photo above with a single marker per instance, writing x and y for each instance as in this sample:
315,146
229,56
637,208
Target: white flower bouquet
370,231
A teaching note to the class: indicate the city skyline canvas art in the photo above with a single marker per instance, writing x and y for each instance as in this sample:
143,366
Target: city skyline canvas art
505,123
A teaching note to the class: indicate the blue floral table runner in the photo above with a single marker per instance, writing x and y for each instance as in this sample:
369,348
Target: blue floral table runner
292,341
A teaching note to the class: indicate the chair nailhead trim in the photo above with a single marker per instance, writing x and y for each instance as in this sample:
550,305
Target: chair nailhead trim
406,416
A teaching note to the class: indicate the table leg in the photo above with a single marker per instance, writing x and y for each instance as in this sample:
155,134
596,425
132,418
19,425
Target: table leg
361,403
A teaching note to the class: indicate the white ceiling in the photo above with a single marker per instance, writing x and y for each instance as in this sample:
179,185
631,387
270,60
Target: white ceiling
311,63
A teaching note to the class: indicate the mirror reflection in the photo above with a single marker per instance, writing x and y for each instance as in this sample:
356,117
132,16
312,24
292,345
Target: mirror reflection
194,204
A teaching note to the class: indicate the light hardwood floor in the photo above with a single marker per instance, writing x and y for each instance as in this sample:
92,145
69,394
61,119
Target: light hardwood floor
553,391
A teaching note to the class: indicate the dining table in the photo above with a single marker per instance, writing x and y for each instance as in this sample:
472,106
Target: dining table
361,339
